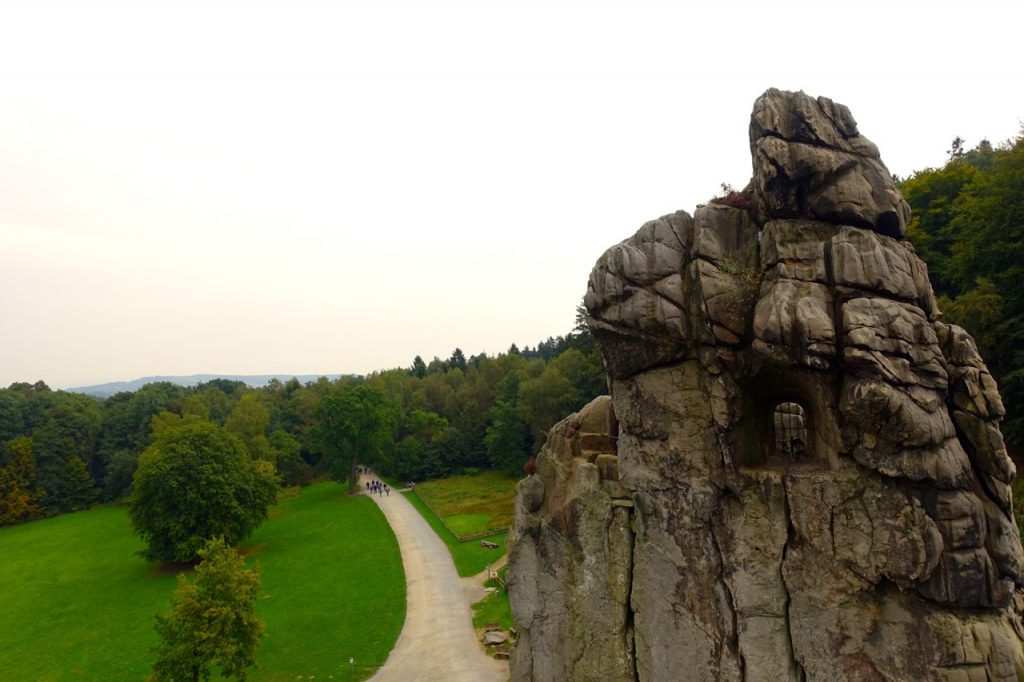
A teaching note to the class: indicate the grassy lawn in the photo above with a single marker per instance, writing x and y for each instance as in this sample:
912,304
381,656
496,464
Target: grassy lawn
470,558
78,604
494,608
333,586
472,504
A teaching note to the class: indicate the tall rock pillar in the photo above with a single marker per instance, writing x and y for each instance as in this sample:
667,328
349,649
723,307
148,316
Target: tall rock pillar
801,474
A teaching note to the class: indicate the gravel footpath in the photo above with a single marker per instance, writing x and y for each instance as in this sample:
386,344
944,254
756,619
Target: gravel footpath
438,641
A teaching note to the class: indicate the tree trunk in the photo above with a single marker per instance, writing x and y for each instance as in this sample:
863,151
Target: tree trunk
353,481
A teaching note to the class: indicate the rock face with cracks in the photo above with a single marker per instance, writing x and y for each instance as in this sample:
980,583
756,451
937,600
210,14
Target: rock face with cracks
799,474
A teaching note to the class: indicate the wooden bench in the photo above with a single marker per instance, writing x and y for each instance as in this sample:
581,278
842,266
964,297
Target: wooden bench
489,545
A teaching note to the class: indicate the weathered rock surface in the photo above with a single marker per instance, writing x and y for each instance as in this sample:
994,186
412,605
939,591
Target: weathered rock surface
811,162
571,567
799,474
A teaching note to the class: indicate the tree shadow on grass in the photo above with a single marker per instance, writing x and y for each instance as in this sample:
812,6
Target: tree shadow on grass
158,570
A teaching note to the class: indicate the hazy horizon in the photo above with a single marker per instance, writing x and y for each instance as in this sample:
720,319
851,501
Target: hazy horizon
342,187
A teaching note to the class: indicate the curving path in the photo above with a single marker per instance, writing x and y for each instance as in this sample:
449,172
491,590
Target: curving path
438,642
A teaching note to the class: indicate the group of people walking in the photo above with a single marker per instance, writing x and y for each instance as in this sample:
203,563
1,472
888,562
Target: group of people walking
378,487
373,486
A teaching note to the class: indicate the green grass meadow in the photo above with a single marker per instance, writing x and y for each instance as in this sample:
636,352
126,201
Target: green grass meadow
78,604
470,503
473,503
469,557
494,608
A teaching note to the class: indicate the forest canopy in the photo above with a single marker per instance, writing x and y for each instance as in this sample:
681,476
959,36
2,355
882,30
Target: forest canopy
62,451
968,226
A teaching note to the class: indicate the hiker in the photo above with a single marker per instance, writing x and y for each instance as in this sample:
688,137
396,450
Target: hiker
387,491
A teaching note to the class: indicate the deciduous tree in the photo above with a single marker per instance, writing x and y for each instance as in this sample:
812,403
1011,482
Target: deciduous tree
249,422
508,437
354,423
18,495
213,621
288,458
197,482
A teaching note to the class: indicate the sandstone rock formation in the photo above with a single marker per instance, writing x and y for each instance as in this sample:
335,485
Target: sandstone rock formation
810,162
799,474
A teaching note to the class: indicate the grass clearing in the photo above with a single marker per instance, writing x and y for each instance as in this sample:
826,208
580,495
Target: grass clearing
494,608
467,524
470,557
333,587
471,504
78,603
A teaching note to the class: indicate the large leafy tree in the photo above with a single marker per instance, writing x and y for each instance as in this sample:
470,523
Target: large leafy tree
354,423
584,371
422,451
117,480
287,452
249,421
212,621
932,194
281,400
19,499
508,437
79,489
546,400
197,482
68,430
128,416
12,407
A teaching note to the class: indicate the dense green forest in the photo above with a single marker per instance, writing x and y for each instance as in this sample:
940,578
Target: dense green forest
62,451
968,225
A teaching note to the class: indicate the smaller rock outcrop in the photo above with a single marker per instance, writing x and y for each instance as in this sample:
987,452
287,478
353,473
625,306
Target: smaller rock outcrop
571,554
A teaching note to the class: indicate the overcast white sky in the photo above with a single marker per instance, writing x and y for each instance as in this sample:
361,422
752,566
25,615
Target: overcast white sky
264,187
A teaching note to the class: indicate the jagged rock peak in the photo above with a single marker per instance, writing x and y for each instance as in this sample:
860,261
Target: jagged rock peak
810,161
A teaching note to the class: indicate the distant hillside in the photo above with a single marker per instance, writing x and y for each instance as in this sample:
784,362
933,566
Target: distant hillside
253,380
